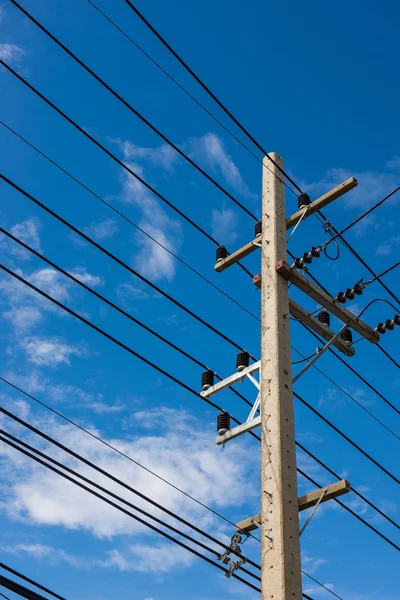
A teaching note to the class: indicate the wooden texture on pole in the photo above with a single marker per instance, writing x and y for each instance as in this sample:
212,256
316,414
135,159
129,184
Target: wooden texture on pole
280,560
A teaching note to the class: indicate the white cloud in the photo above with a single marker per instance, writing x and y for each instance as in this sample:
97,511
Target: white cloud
209,150
186,456
85,277
161,558
128,294
49,352
27,231
101,230
52,555
311,564
394,163
224,223
163,156
388,246
11,53
23,318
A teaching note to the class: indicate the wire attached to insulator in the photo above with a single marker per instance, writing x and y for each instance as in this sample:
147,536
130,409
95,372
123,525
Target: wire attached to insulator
327,225
350,293
306,259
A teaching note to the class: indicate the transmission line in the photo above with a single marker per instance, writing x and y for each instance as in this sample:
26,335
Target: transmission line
19,589
133,110
31,581
128,220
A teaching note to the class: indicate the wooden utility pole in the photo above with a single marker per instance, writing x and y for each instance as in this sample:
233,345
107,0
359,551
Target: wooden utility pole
280,561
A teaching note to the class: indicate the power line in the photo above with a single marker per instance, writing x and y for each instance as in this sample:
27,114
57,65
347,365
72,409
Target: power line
116,496
19,589
3,596
383,273
114,306
31,581
123,510
128,220
119,261
346,437
134,111
210,93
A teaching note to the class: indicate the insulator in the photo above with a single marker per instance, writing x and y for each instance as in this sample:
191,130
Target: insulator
357,289
315,252
324,317
381,328
341,297
307,258
242,361
298,263
258,228
223,423
349,294
221,253
347,336
396,319
207,380
389,324
304,200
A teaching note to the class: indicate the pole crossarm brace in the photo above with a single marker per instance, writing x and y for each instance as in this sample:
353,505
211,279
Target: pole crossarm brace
322,201
312,208
325,332
327,301
312,499
229,381
233,433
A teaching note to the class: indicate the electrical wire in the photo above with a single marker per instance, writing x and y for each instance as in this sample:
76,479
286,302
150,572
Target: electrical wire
114,157
19,589
133,110
120,262
377,300
119,498
128,220
31,581
115,306
3,596
210,93
346,437
382,274
123,510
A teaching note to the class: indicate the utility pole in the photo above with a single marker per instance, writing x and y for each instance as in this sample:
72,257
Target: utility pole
273,407
280,558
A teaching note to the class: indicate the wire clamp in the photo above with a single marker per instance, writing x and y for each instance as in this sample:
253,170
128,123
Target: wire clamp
234,547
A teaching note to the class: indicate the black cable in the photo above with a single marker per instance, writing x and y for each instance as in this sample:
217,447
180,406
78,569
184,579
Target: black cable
133,110
383,273
117,308
346,437
373,302
356,492
119,343
123,510
349,396
31,581
120,499
210,93
3,596
114,479
322,585
120,262
111,447
128,220
228,131
349,510
362,216
19,589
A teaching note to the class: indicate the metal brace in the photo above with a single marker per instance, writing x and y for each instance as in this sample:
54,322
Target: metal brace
318,354
234,547
256,404
310,516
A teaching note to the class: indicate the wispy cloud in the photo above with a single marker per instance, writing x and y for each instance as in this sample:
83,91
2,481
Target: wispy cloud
224,223
50,351
388,246
27,231
161,558
101,230
163,156
11,53
91,280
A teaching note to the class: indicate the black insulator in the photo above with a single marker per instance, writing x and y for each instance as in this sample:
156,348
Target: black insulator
315,252
223,423
396,319
389,324
306,258
207,380
258,228
347,336
298,263
304,200
357,289
222,253
381,328
242,360
324,317
341,297
350,294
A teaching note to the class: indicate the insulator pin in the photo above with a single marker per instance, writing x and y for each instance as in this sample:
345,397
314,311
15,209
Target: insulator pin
357,289
347,336
221,253
315,252
207,380
242,361
258,228
341,297
389,324
396,319
349,294
381,328
223,423
307,259
324,318
304,200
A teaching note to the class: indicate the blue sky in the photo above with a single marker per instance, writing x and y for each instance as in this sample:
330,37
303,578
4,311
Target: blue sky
313,82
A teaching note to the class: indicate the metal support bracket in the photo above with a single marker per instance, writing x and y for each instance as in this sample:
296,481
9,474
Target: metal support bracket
234,547
318,354
310,516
